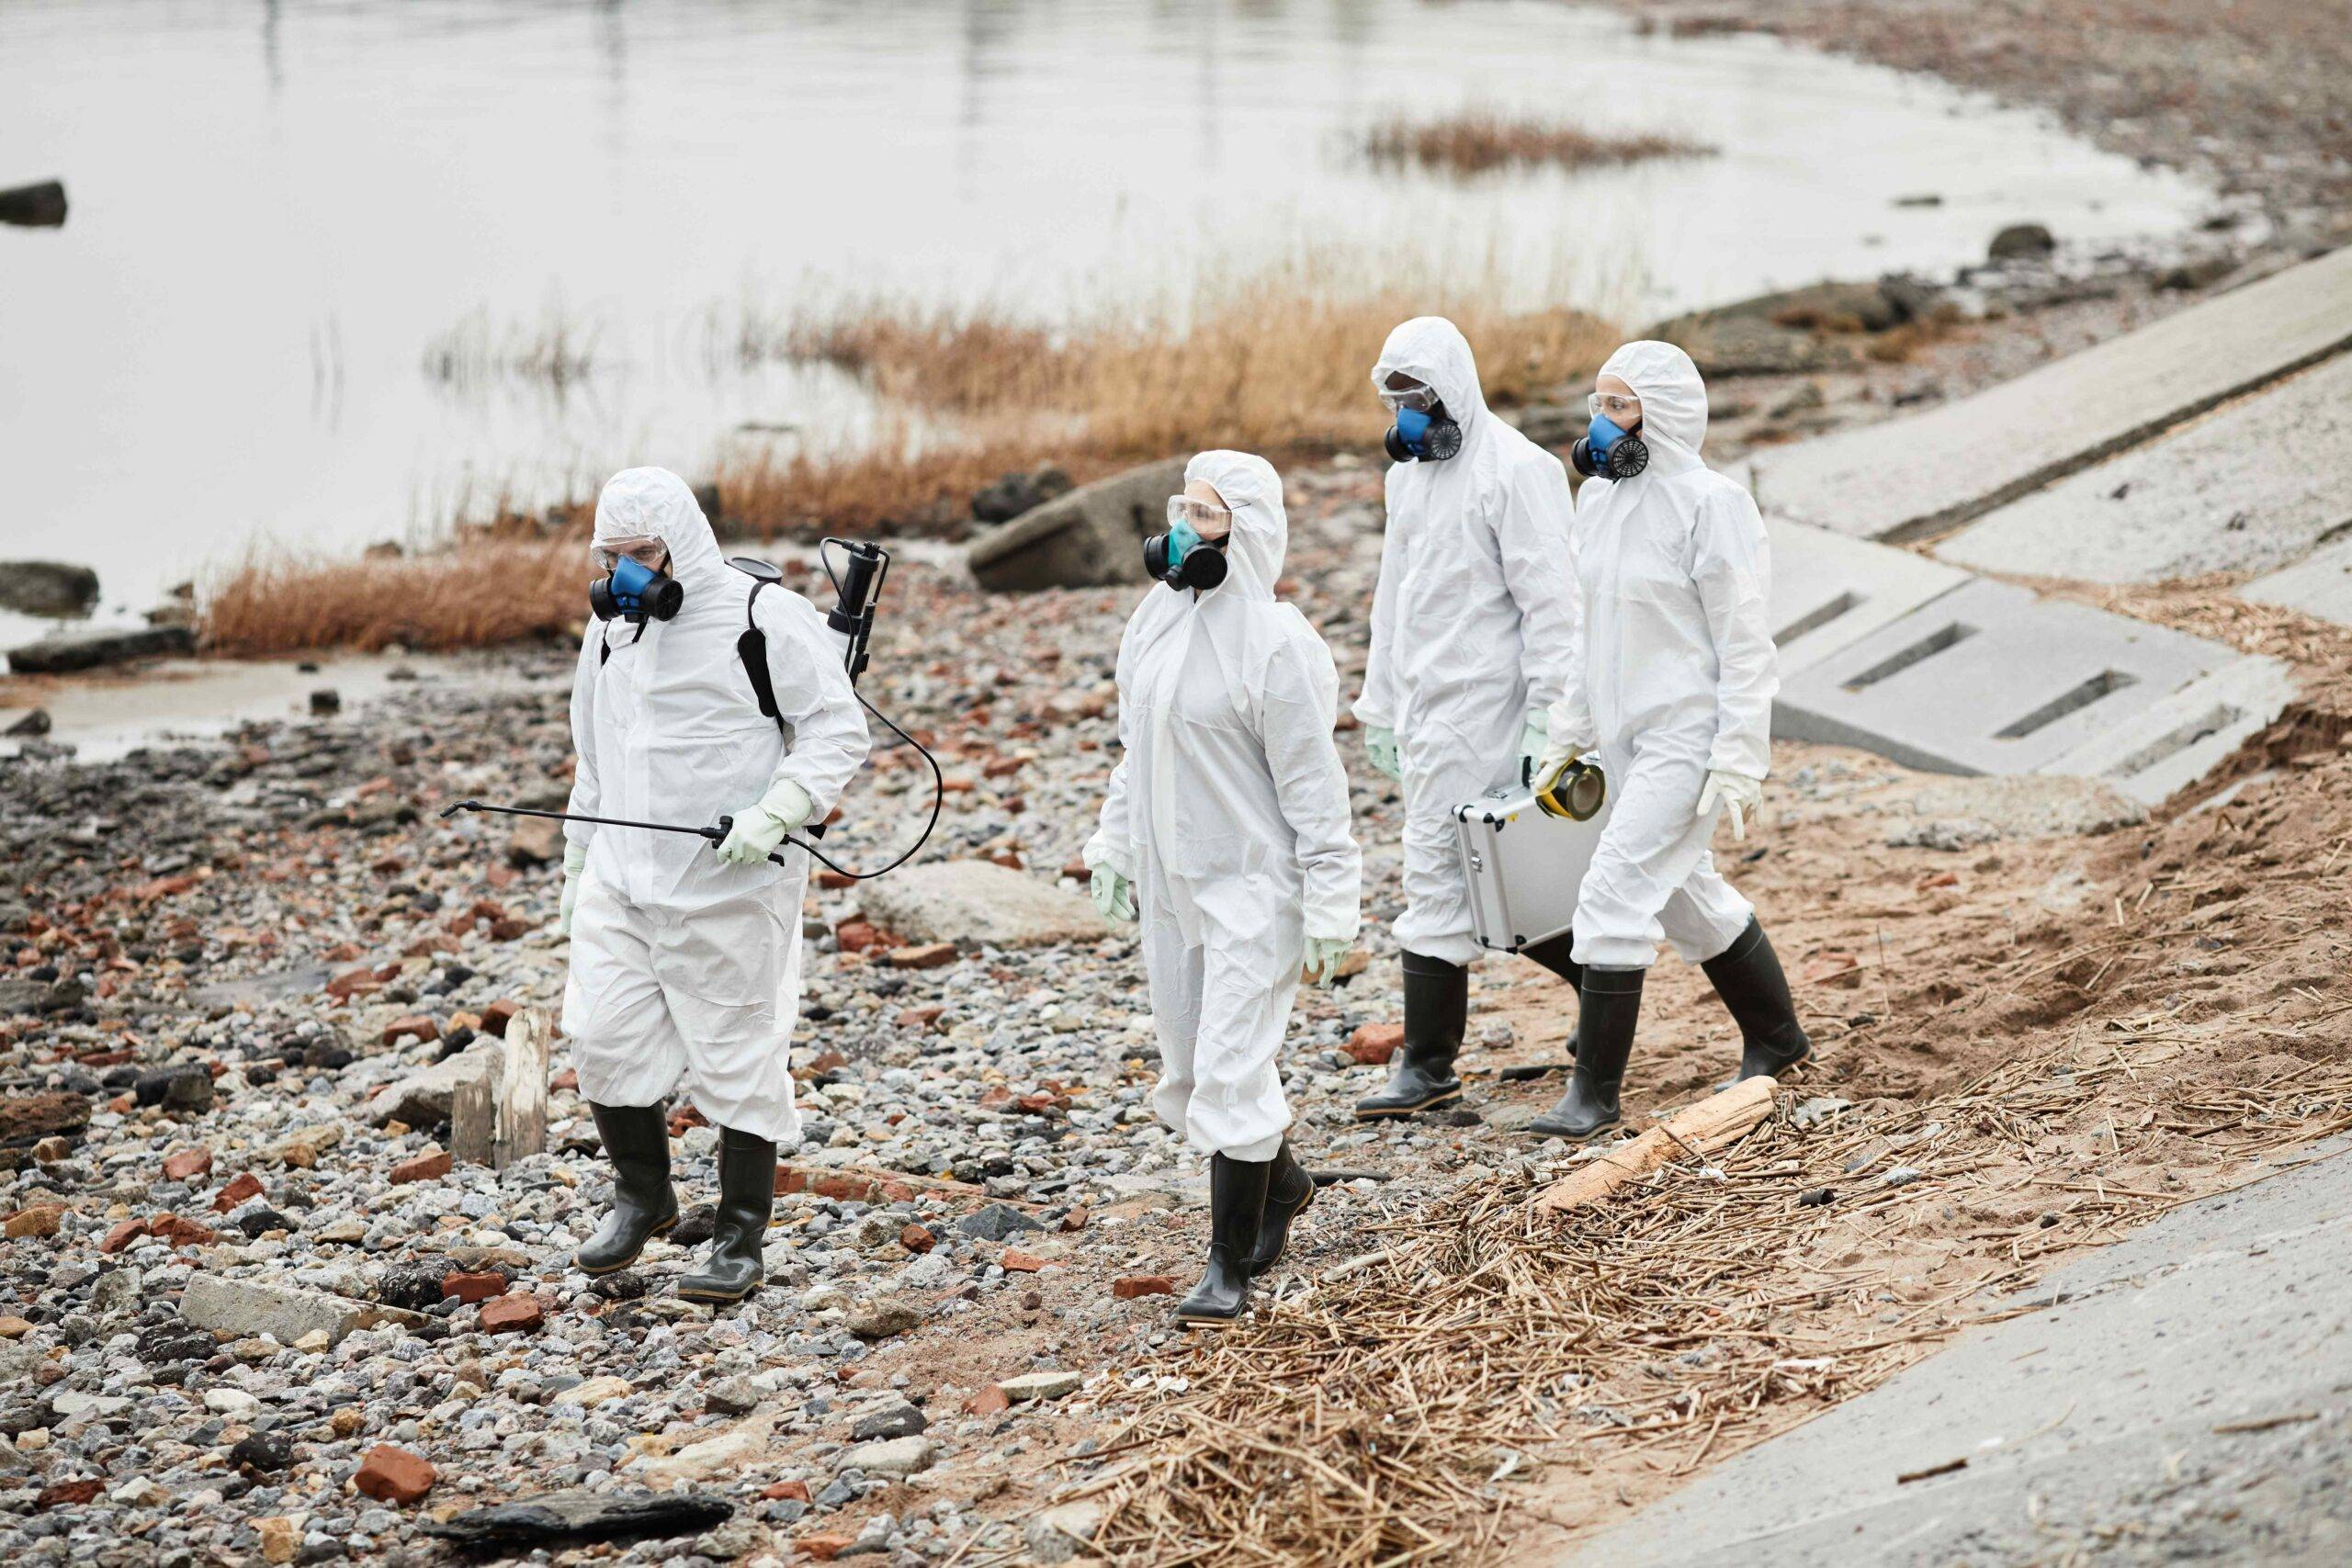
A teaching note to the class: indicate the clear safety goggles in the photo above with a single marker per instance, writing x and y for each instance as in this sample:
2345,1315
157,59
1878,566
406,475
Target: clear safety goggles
645,551
1206,518
1417,398
1621,407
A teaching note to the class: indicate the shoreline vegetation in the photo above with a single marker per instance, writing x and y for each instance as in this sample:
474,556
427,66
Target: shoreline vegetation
1479,141
1275,360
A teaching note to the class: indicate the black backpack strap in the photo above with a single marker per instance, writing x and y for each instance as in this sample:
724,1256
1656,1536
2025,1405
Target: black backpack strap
752,648
604,648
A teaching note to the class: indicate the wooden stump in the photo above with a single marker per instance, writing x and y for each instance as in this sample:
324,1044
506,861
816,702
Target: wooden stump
1715,1123
496,1122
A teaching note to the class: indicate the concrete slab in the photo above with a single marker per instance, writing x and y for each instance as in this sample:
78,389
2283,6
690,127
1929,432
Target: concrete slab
2250,486
1830,592
1927,474
2182,1397
2320,584
1990,679
2170,744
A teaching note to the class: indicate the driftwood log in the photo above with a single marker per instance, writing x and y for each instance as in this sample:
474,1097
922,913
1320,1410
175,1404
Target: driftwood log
1715,1123
496,1121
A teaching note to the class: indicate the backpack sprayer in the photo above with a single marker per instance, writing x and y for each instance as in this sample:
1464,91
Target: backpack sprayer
856,590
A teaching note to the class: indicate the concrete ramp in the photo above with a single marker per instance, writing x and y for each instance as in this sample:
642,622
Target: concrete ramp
2319,586
1924,475
1990,679
2251,486
1830,592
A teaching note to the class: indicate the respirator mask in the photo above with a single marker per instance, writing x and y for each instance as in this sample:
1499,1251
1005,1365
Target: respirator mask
1610,450
1183,557
1422,432
635,591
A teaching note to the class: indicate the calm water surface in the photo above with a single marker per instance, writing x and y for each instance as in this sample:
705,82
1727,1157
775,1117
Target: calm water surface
278,210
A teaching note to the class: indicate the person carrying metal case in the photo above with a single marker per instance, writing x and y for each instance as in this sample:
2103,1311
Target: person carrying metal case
685,964
1225,833
1472,631
1673,687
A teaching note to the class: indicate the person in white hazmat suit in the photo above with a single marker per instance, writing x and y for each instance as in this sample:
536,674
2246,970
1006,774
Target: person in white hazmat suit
1673,687
1225,832
1472,631
685,962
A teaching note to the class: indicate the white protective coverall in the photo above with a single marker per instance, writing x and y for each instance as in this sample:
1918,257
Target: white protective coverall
1229,811
685,971
1473,622
1674,676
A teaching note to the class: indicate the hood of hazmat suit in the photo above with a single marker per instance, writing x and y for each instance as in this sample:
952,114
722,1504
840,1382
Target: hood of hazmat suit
1228,810
1676,674
683,969
1674,578
1473,622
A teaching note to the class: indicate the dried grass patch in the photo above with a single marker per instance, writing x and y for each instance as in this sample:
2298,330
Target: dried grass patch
1373,1418
1479,141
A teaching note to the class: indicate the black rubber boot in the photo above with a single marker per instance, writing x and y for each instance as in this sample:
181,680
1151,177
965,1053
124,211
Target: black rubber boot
746,1197
1437,1011
1555,954
1288,1191
1237,1208
1748,977
1612,1005
637,1140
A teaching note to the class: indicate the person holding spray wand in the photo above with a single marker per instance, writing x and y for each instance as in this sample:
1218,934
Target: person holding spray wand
685,965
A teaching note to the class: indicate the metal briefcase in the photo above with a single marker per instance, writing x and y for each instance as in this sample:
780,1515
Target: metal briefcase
1523,866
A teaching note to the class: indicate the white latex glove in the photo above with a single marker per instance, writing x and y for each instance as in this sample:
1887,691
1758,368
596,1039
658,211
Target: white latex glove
575,861
1380,744
1738,793
1534,741
1323,956
1114,895
758,829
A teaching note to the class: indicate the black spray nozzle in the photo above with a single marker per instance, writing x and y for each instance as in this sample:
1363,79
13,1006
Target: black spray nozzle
855,588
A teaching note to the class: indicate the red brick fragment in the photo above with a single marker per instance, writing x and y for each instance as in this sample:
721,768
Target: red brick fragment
430,1165
471,1288
241,1188
499,1014
188,1165
124,1232
512,1314
181,1232
1016,1261
394,1475
1127,1287
931,956
415,1023
1373,1044
915,1238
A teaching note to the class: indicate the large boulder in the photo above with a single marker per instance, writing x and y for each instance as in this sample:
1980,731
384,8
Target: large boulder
46,587
1090,538
88,650
285,1313
971,900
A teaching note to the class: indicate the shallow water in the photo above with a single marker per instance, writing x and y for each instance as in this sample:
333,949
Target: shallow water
277,210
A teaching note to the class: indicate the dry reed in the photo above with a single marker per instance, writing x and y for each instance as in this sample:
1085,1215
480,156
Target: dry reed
1370,1419
471,595
1479,141
557,351
1276,361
